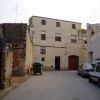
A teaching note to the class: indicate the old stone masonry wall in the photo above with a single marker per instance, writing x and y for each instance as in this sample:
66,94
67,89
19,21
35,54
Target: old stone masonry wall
15,33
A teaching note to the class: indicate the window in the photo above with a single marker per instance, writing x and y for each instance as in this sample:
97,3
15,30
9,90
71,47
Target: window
42,59
43,35
73,26
73,40
43,50
57,24
92,33
57,38
85,42
43,22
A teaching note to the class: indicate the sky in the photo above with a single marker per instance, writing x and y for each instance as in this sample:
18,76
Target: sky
83,11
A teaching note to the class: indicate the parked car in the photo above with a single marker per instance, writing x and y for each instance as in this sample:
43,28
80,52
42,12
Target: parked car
93,65
94,76
84,69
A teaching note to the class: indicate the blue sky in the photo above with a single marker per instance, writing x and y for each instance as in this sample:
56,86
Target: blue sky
84,11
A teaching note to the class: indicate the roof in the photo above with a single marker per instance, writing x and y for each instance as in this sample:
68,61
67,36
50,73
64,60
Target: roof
56,19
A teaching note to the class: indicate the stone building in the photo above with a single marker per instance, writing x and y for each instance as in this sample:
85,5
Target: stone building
93,42
57,44
29,52
15,51
5,62
16,35
83,40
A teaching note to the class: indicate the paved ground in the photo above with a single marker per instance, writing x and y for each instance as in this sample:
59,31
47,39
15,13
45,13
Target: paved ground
56,85
16,81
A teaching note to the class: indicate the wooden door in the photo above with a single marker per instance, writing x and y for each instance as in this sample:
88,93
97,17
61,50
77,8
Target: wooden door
57,62
73,62
15,57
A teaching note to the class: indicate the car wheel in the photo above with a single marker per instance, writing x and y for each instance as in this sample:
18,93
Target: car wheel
82,74
78,73
90,80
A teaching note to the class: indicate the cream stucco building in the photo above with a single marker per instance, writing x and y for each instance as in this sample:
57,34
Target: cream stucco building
93,42
57,44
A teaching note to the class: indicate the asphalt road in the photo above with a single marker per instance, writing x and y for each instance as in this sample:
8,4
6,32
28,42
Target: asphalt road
56,85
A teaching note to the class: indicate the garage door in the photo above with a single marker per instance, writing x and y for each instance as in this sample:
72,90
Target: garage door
73,62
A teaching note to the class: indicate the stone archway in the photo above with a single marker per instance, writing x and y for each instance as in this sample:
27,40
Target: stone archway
73,62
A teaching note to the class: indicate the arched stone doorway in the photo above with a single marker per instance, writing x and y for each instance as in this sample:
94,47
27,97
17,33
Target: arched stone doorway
73,62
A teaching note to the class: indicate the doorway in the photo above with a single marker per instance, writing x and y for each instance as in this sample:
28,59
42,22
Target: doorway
57,62
73,62
15,57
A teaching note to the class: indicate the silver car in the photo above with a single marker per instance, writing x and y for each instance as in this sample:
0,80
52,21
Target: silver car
84,69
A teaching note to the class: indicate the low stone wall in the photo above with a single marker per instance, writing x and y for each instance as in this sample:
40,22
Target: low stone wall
7,82
19,71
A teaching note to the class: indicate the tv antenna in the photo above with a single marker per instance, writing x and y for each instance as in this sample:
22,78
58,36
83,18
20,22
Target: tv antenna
1,17
16,10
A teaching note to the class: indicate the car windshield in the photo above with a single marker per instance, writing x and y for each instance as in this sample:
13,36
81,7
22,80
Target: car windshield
87,66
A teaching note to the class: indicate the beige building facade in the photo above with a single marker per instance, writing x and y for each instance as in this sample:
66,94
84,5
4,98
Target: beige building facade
29,52
56,43
93,42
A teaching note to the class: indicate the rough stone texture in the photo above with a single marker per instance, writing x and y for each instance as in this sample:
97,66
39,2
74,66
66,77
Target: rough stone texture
15,33
6,65
14,37
29,53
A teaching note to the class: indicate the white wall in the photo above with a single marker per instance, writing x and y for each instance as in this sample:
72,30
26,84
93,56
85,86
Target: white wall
94,41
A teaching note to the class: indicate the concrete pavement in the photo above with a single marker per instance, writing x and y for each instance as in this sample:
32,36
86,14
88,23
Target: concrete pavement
56,85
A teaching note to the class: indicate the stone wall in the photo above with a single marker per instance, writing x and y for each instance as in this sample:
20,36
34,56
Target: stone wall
29,53
6,65
15,33
15,52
